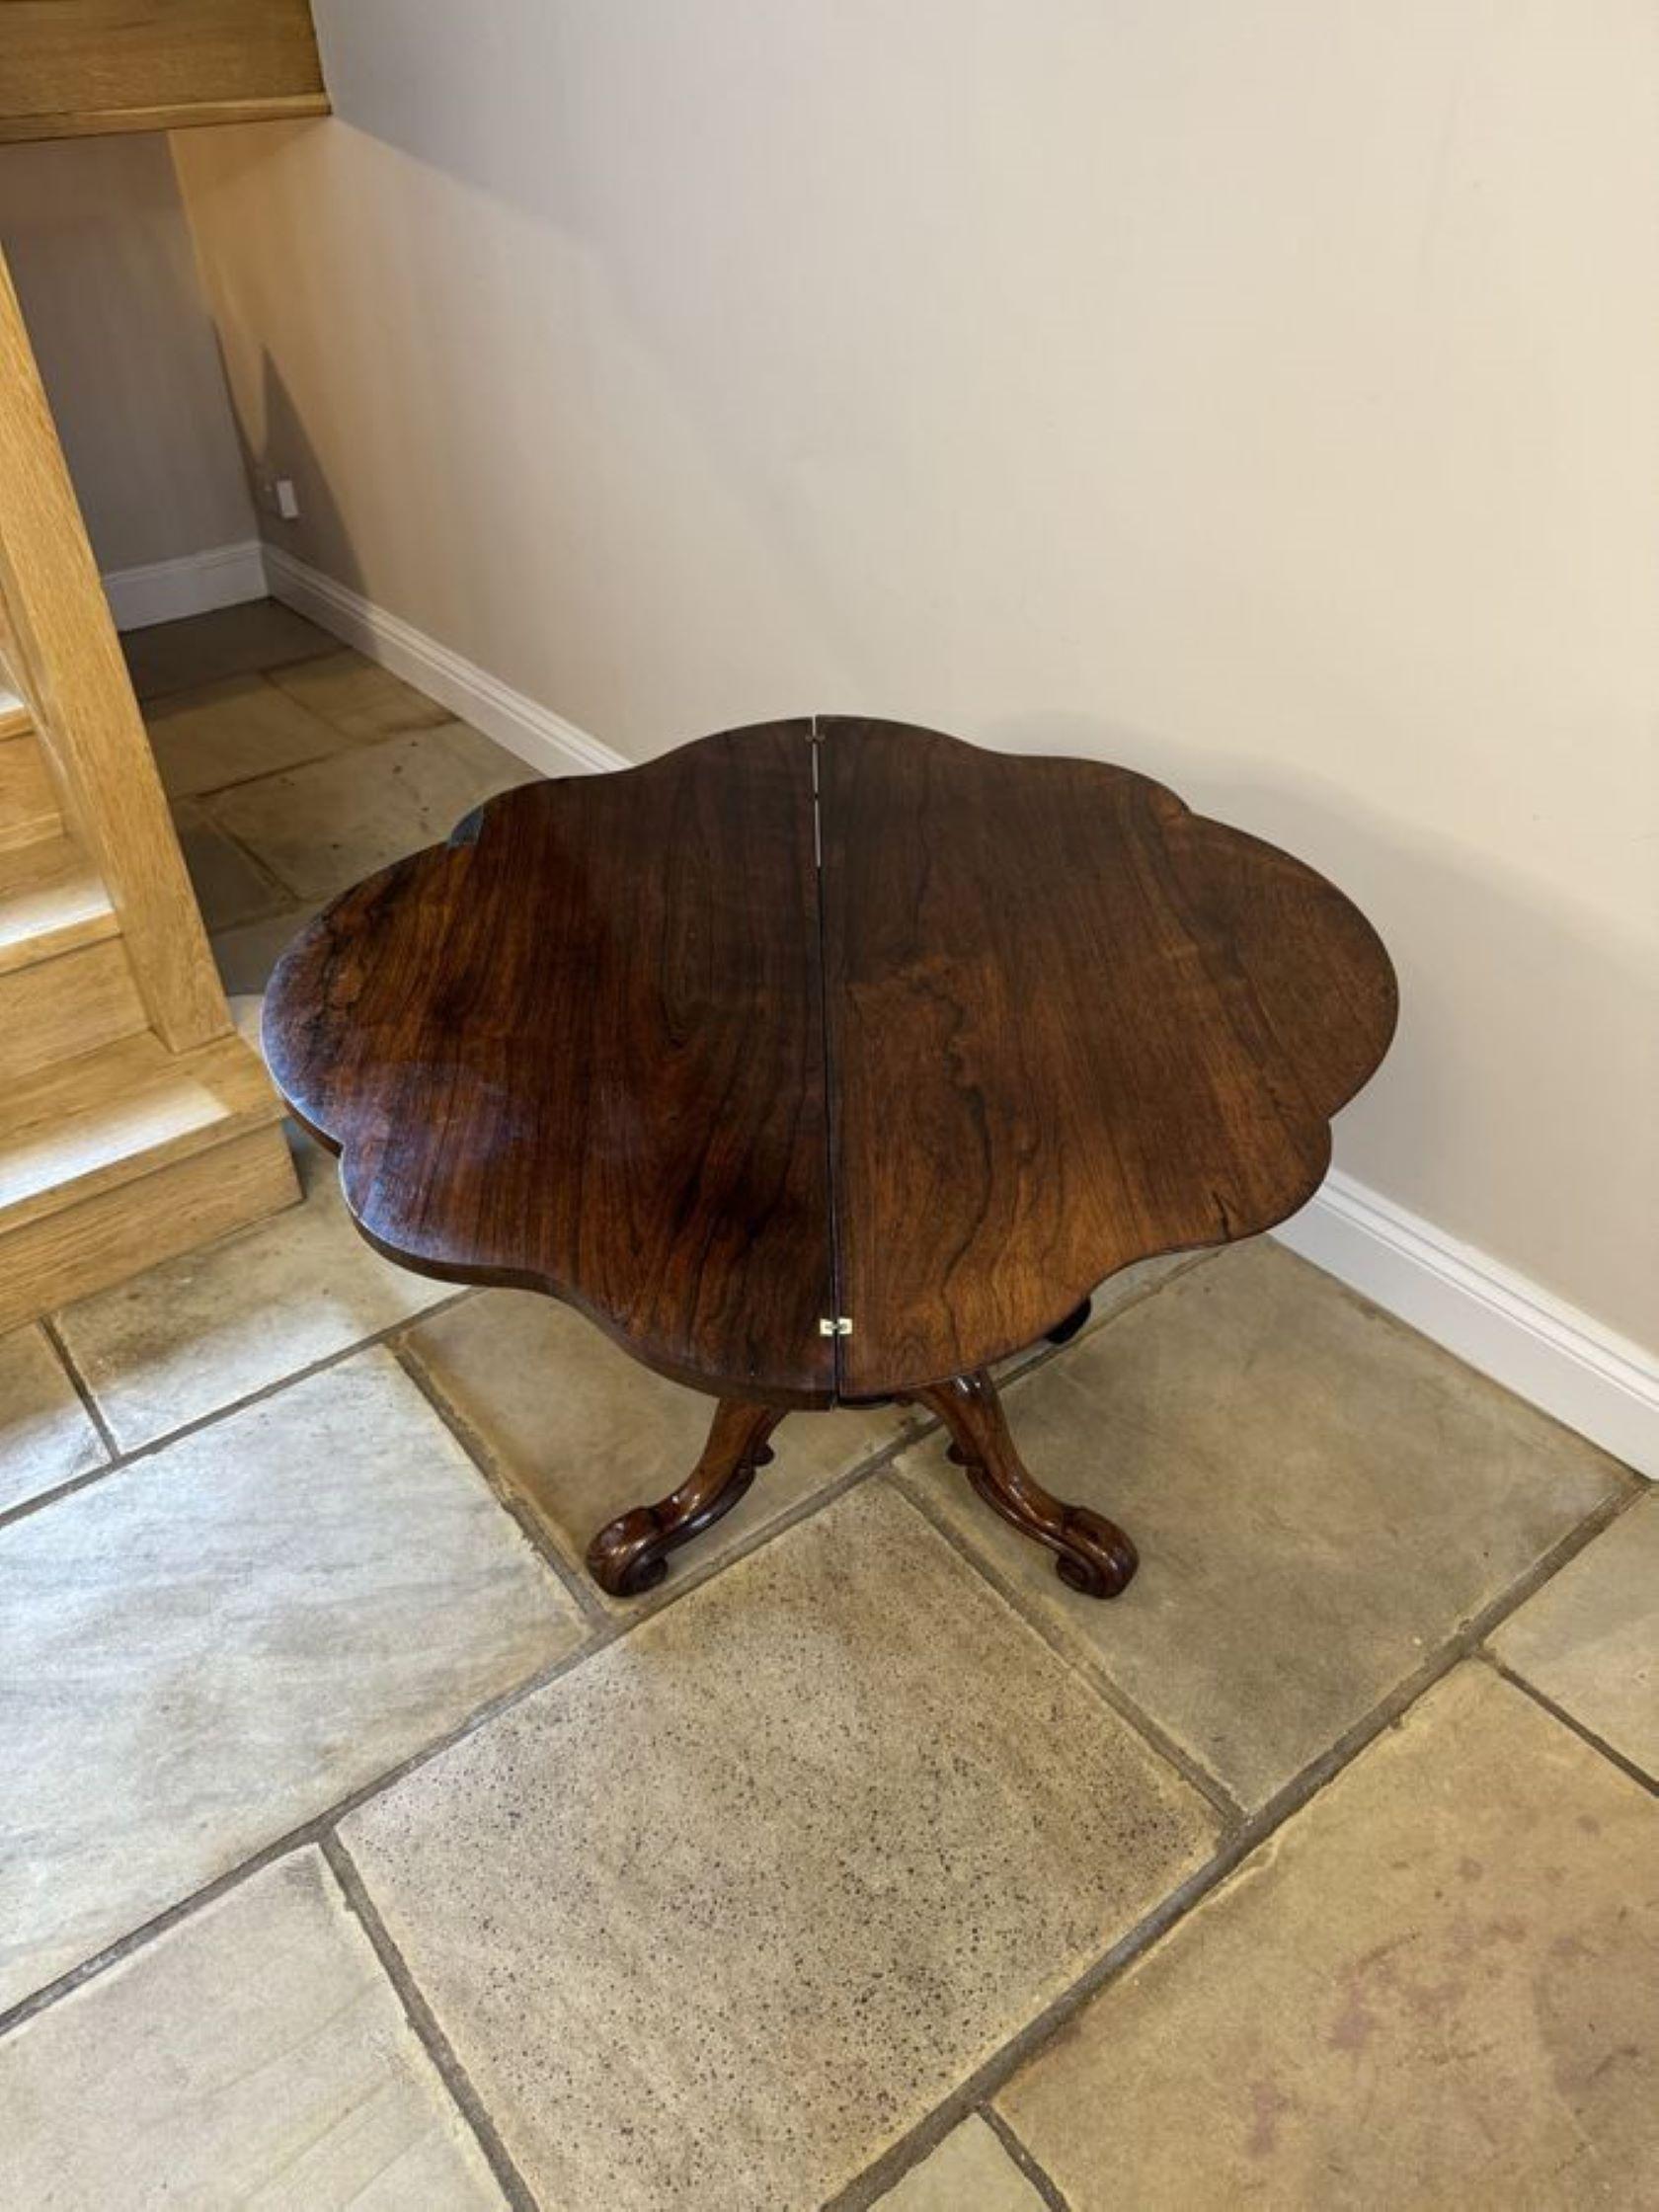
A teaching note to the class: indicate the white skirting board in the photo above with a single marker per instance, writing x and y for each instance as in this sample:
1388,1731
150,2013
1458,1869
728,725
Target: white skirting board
514,719
1543,1350
193,584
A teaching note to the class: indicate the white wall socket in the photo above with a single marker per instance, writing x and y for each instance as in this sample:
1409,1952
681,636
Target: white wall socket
279,497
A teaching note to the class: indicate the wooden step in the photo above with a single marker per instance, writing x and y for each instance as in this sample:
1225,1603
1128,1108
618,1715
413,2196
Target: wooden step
123,1157
56,1011
102,1119
15,717
74,69
118,1233
28,803
51,902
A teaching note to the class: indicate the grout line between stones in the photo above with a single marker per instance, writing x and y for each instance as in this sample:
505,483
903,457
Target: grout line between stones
261,667
1088,1671
1231,1852
152,1444
205,793
804,1509
201,803
974,2093
289,894
1047,2188
309,1831
347,742
424,2021
1585,1734
505,1491
89,1404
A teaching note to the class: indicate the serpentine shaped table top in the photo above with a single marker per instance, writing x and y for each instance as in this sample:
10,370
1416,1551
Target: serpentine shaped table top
829,1060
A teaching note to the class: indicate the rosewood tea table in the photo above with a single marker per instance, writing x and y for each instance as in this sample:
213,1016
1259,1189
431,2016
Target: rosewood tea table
827,1062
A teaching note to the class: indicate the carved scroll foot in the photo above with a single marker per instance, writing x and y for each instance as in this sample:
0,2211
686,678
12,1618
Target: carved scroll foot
630,1554
1091,1555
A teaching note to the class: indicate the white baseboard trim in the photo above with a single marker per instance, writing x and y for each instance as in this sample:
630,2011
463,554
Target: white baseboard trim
1537,1345
193,584
538,736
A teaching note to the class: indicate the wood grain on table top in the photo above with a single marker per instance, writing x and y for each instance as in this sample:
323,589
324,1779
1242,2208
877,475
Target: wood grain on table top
1004,1026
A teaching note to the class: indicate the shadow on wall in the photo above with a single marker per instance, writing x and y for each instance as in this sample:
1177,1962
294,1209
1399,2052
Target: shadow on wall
526,113
281,445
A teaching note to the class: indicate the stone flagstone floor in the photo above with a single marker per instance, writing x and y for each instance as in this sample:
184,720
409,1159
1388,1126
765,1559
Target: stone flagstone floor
358,1851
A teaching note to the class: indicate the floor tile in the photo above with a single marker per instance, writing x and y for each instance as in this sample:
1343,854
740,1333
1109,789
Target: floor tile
970,2172
247,954
229,887
254,2054
583,1432
231,641
1437,1987
212,1326
247,1013
45,1437
233,730
1590,1639
1319,1497
1108,1298
321,829
721,1915
362,702
203,1650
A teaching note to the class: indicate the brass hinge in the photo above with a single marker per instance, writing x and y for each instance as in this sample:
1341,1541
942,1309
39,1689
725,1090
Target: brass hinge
835,1324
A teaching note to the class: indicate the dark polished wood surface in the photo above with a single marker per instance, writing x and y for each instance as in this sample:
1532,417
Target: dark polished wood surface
582,1051
630,1554
1071,1024
1092,1555
828,1061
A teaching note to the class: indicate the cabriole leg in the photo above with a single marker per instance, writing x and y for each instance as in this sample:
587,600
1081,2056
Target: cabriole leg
1091,1555
630,1554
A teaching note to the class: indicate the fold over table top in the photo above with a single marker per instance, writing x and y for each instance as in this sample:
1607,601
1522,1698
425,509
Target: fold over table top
828,1021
